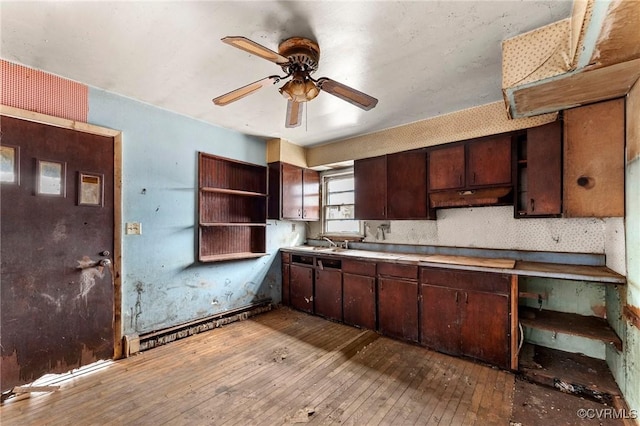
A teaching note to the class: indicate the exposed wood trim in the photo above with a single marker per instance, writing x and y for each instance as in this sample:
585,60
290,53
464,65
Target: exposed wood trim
632,314
574,89
117,246
64,123
515,334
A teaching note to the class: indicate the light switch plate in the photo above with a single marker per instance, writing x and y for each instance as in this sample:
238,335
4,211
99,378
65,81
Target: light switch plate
133,228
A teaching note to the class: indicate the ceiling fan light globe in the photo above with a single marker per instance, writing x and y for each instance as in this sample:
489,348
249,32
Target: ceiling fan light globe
299,90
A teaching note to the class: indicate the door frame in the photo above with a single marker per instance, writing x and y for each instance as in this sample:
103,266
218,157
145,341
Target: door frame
116,136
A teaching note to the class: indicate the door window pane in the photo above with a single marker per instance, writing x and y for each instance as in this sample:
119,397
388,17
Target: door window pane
51,178
9,164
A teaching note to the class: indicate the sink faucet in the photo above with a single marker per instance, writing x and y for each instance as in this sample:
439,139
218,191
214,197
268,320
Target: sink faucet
331,243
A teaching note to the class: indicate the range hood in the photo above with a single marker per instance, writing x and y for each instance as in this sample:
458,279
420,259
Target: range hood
472,197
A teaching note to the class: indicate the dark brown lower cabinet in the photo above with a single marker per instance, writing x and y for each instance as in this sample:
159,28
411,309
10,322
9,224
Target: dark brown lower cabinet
328,293
484,329
466,313
286,294
359,300
398,308
301,287
440,328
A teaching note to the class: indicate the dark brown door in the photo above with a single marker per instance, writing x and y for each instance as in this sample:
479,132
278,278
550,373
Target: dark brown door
544,170
359,300
407,185
446,168
440,326
484,327
328,293
370,188
398,308
291,192
301,287
489,161
56,228
311,192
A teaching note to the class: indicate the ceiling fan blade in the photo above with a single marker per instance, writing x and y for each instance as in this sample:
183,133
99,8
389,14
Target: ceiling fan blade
346,93
240,93
255,49
294,114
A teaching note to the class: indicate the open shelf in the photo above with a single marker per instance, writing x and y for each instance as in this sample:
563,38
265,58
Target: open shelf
573,324
232,192
232,209
231,256
569,372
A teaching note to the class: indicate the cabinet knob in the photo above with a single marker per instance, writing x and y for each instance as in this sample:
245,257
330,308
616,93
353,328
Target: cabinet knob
533,205
456,296
299,213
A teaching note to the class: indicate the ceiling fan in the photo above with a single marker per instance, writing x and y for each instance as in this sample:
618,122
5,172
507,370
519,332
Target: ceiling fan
298,58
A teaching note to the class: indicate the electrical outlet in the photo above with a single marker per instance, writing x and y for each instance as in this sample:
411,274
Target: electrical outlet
133,228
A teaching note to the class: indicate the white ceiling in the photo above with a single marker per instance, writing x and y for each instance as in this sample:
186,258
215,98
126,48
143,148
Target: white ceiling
420,58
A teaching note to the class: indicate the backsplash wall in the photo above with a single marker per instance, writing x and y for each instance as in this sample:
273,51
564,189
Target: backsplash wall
496,228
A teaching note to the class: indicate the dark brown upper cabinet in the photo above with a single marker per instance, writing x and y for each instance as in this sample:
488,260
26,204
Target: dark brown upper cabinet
294,192
471,173
446,168
539,171
489,161
594,159
370,188
392,187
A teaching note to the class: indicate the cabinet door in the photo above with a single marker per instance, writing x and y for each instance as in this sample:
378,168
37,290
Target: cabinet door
311,194
544,170
301,287
398,308
594,137
286,295
291,191
407,185
489,161
370,188
328,293
359,300
439,318
484,328
446,168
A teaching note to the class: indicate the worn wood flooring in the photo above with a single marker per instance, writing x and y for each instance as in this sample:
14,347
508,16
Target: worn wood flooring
281,367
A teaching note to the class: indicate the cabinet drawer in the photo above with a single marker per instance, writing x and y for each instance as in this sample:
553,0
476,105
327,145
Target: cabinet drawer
398,270
328,263
304,260
286,257
466,280
359,267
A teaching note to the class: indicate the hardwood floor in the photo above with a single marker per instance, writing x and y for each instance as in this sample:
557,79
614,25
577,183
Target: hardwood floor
280,367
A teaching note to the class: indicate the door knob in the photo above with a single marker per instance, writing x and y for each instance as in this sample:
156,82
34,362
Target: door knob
105,253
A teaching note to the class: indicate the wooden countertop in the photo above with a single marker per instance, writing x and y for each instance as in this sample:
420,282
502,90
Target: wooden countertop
504,266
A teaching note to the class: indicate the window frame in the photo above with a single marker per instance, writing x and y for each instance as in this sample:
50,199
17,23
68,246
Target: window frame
326,178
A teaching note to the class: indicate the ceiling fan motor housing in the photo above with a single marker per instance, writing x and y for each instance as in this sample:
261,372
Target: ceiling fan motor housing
303,54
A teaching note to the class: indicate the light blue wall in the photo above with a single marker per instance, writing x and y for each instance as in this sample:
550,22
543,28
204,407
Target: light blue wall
631,372
162,284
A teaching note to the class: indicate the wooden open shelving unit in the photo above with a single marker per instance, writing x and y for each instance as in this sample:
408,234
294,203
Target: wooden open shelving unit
232,209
